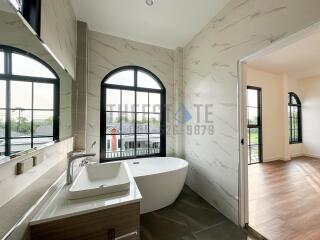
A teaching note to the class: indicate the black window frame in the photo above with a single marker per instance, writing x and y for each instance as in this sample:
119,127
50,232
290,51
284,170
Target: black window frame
135,88
8,77
291,129
256,126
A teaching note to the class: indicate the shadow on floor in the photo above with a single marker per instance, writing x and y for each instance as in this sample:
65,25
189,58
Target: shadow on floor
189,218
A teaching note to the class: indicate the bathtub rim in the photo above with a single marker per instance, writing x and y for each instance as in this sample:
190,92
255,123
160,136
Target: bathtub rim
186,166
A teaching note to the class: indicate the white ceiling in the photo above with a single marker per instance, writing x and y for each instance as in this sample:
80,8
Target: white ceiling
168,23
299,60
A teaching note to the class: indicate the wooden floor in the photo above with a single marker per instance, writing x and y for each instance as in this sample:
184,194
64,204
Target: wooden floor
284,199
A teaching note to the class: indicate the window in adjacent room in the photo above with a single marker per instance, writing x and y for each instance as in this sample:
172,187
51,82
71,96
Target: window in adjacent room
295,123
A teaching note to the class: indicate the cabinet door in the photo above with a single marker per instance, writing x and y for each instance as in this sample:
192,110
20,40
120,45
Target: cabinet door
93,226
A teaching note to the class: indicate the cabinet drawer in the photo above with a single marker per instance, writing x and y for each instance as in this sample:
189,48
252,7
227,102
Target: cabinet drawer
92,226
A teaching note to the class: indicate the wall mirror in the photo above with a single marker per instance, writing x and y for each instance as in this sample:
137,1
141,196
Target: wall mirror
35,90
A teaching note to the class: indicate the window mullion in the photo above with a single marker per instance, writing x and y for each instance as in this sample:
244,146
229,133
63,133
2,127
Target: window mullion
32,110
120,123
136,89
135,112
8,70
9,77
148,122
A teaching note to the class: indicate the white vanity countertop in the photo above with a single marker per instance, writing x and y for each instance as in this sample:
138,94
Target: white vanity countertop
58,206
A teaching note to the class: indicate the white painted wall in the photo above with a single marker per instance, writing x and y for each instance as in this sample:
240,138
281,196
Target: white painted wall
275,89
310,94
272,112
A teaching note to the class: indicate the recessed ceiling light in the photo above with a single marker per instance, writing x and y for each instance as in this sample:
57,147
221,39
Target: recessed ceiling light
150,2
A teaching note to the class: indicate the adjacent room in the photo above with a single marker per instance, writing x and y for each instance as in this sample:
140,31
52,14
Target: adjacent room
159,119
283,107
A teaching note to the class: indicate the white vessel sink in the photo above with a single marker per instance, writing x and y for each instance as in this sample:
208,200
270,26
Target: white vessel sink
100,179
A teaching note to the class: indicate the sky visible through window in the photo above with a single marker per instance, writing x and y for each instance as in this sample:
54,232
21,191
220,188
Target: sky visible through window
25,66
31,103
132,115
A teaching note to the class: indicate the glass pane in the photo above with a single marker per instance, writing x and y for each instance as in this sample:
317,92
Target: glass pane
112,100
21,144
124,78
294,100
20,123
26,66
38,142
2,123
142,144
154,123
254,154
252,116
128,123
142,123
1,62
253,136
112,123
2,94
2,147
43,123
21,95
142,102
154,143
43,96
146,81
294,112
127,146
154,102
252,98
128,101
112,146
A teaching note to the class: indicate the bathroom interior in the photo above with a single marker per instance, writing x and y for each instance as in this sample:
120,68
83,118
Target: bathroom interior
128,119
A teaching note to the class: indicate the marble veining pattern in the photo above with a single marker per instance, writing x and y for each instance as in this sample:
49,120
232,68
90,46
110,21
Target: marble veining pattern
107,53
59,31
210,77
19,36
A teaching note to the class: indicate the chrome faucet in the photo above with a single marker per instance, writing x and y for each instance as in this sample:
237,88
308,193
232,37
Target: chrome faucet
71,159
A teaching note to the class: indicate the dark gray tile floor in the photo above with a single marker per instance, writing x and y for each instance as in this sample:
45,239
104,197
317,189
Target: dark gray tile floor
189,218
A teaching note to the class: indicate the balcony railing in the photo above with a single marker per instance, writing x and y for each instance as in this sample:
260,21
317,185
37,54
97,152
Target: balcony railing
131,153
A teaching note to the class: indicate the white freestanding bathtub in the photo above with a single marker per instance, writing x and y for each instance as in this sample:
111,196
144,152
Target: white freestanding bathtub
160,180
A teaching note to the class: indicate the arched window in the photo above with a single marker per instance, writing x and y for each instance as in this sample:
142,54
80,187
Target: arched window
29,101
132,114
295,124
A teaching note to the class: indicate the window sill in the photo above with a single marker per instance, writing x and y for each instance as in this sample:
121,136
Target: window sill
28,153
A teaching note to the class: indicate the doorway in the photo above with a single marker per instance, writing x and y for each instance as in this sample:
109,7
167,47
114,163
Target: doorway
288,176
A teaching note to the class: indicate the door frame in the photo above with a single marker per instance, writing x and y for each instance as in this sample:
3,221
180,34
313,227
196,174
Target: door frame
242,114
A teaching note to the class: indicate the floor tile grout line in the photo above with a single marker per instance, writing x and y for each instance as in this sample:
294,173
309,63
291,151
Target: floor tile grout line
206,228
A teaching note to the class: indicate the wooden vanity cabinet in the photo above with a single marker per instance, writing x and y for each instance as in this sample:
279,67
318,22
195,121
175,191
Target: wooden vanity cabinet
107,224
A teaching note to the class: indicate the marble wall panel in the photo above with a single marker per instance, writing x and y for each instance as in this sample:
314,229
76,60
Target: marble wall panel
59,31
106,53
211,77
